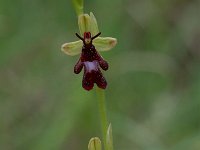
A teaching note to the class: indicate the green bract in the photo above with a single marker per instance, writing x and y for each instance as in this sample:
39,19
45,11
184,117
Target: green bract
88,23
109,138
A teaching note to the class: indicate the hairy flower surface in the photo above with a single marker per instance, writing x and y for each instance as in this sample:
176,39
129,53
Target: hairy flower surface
90,59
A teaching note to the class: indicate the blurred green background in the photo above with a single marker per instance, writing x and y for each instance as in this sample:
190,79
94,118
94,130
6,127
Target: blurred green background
153,96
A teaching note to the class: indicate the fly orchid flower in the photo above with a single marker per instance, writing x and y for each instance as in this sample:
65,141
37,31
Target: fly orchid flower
87,46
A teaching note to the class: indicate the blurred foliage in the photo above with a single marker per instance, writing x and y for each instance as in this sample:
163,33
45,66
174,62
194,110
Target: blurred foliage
153,97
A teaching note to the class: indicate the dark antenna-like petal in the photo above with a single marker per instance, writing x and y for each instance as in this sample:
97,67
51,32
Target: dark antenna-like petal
96,36
79,37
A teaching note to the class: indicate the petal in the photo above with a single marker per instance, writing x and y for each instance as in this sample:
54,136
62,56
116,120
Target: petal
84,23
72,48
104,43
94,26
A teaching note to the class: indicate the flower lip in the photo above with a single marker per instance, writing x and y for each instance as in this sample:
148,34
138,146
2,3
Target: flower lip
91,66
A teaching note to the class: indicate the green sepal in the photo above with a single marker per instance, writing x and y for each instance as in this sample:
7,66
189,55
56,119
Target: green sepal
84,23
72,48
94,26
104,43
88,23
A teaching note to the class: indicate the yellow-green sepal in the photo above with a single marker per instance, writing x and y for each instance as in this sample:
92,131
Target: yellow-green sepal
93,25
88,23
104,43
72,48
84,23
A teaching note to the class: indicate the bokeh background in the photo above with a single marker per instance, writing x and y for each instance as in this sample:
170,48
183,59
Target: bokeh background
153,96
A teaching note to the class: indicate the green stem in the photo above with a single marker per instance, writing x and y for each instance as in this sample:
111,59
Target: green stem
78,5
103,116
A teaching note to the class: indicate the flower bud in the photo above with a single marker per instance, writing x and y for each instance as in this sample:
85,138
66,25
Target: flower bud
94,144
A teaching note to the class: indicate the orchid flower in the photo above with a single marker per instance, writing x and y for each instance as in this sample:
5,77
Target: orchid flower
88,46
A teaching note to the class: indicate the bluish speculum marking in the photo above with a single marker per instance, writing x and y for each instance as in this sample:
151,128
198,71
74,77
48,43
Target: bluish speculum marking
91,66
